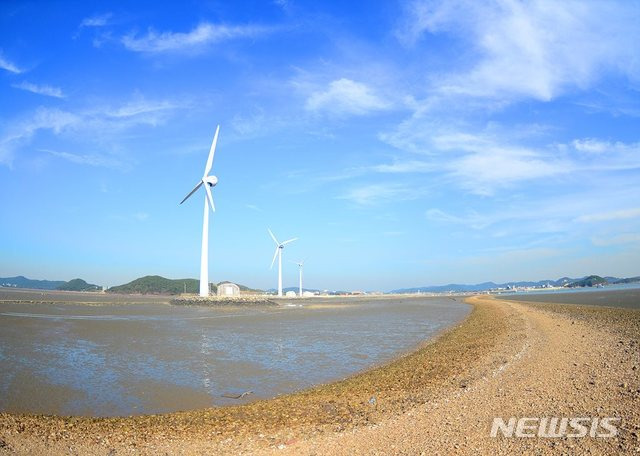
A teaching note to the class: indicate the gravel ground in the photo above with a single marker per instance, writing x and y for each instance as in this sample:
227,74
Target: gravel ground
506,359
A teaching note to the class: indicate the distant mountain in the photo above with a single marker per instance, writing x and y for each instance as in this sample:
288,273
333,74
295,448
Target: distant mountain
23,282
71,285
78,285
561,282
627,280
157,285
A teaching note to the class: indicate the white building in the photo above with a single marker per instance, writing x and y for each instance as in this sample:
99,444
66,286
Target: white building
228,289
290,294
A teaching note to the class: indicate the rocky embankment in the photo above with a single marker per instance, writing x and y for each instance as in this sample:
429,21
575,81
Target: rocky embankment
215,301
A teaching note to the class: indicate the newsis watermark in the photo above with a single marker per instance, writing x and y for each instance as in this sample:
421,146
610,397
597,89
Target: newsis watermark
555,427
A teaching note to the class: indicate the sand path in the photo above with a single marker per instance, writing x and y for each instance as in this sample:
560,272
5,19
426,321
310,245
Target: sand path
563,367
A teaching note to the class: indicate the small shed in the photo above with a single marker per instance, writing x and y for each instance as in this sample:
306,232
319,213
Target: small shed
228,289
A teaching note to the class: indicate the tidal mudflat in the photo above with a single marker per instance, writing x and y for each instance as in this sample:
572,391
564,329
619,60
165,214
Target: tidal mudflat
98,355
505,359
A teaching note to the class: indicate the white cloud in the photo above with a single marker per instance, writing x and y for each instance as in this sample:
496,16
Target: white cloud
538,49
204,34
9,66
484,171
47,90
344,96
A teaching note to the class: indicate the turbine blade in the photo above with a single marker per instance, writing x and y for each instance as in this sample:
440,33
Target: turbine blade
211,152
275,254
210,198
191,192
273,237
290,240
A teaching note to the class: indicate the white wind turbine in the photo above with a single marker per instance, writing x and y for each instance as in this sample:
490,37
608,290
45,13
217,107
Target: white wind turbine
278,253
300,266
208,181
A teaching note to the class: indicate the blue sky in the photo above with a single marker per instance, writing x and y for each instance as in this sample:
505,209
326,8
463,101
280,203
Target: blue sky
405,143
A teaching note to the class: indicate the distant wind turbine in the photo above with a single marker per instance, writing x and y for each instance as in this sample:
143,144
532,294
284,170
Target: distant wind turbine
208,181
278,253
300,266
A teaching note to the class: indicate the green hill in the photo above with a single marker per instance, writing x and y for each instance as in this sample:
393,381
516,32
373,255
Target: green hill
591,281
158,285
78,285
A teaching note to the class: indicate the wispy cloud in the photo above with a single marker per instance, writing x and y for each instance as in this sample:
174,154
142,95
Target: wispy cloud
98,20
536,49
9,66
406,166
611,215
373,194
94,122
204,34
621,239
97,160
141,216
344,96
47,90
485,161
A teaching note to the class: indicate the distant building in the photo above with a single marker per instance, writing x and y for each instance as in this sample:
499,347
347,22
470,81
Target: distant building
290,294
308,294
228,289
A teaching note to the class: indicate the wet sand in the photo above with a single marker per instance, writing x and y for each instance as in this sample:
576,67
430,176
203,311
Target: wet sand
506,359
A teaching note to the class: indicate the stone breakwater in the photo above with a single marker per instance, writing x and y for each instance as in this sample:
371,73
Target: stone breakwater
215,301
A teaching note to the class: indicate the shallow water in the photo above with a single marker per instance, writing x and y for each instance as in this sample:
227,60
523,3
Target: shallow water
120,359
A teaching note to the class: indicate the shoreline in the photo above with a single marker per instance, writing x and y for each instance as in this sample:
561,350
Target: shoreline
493,339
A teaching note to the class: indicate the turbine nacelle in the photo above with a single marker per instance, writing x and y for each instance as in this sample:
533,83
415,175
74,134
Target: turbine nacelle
211,180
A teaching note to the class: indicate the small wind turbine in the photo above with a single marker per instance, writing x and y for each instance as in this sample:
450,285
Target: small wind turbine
278,253
208,181
300,266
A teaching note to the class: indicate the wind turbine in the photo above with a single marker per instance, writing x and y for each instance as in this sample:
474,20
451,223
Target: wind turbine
207,181
278,253
300,265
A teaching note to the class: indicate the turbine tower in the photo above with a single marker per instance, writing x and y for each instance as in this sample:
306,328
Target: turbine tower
278,253
208,182
300,265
